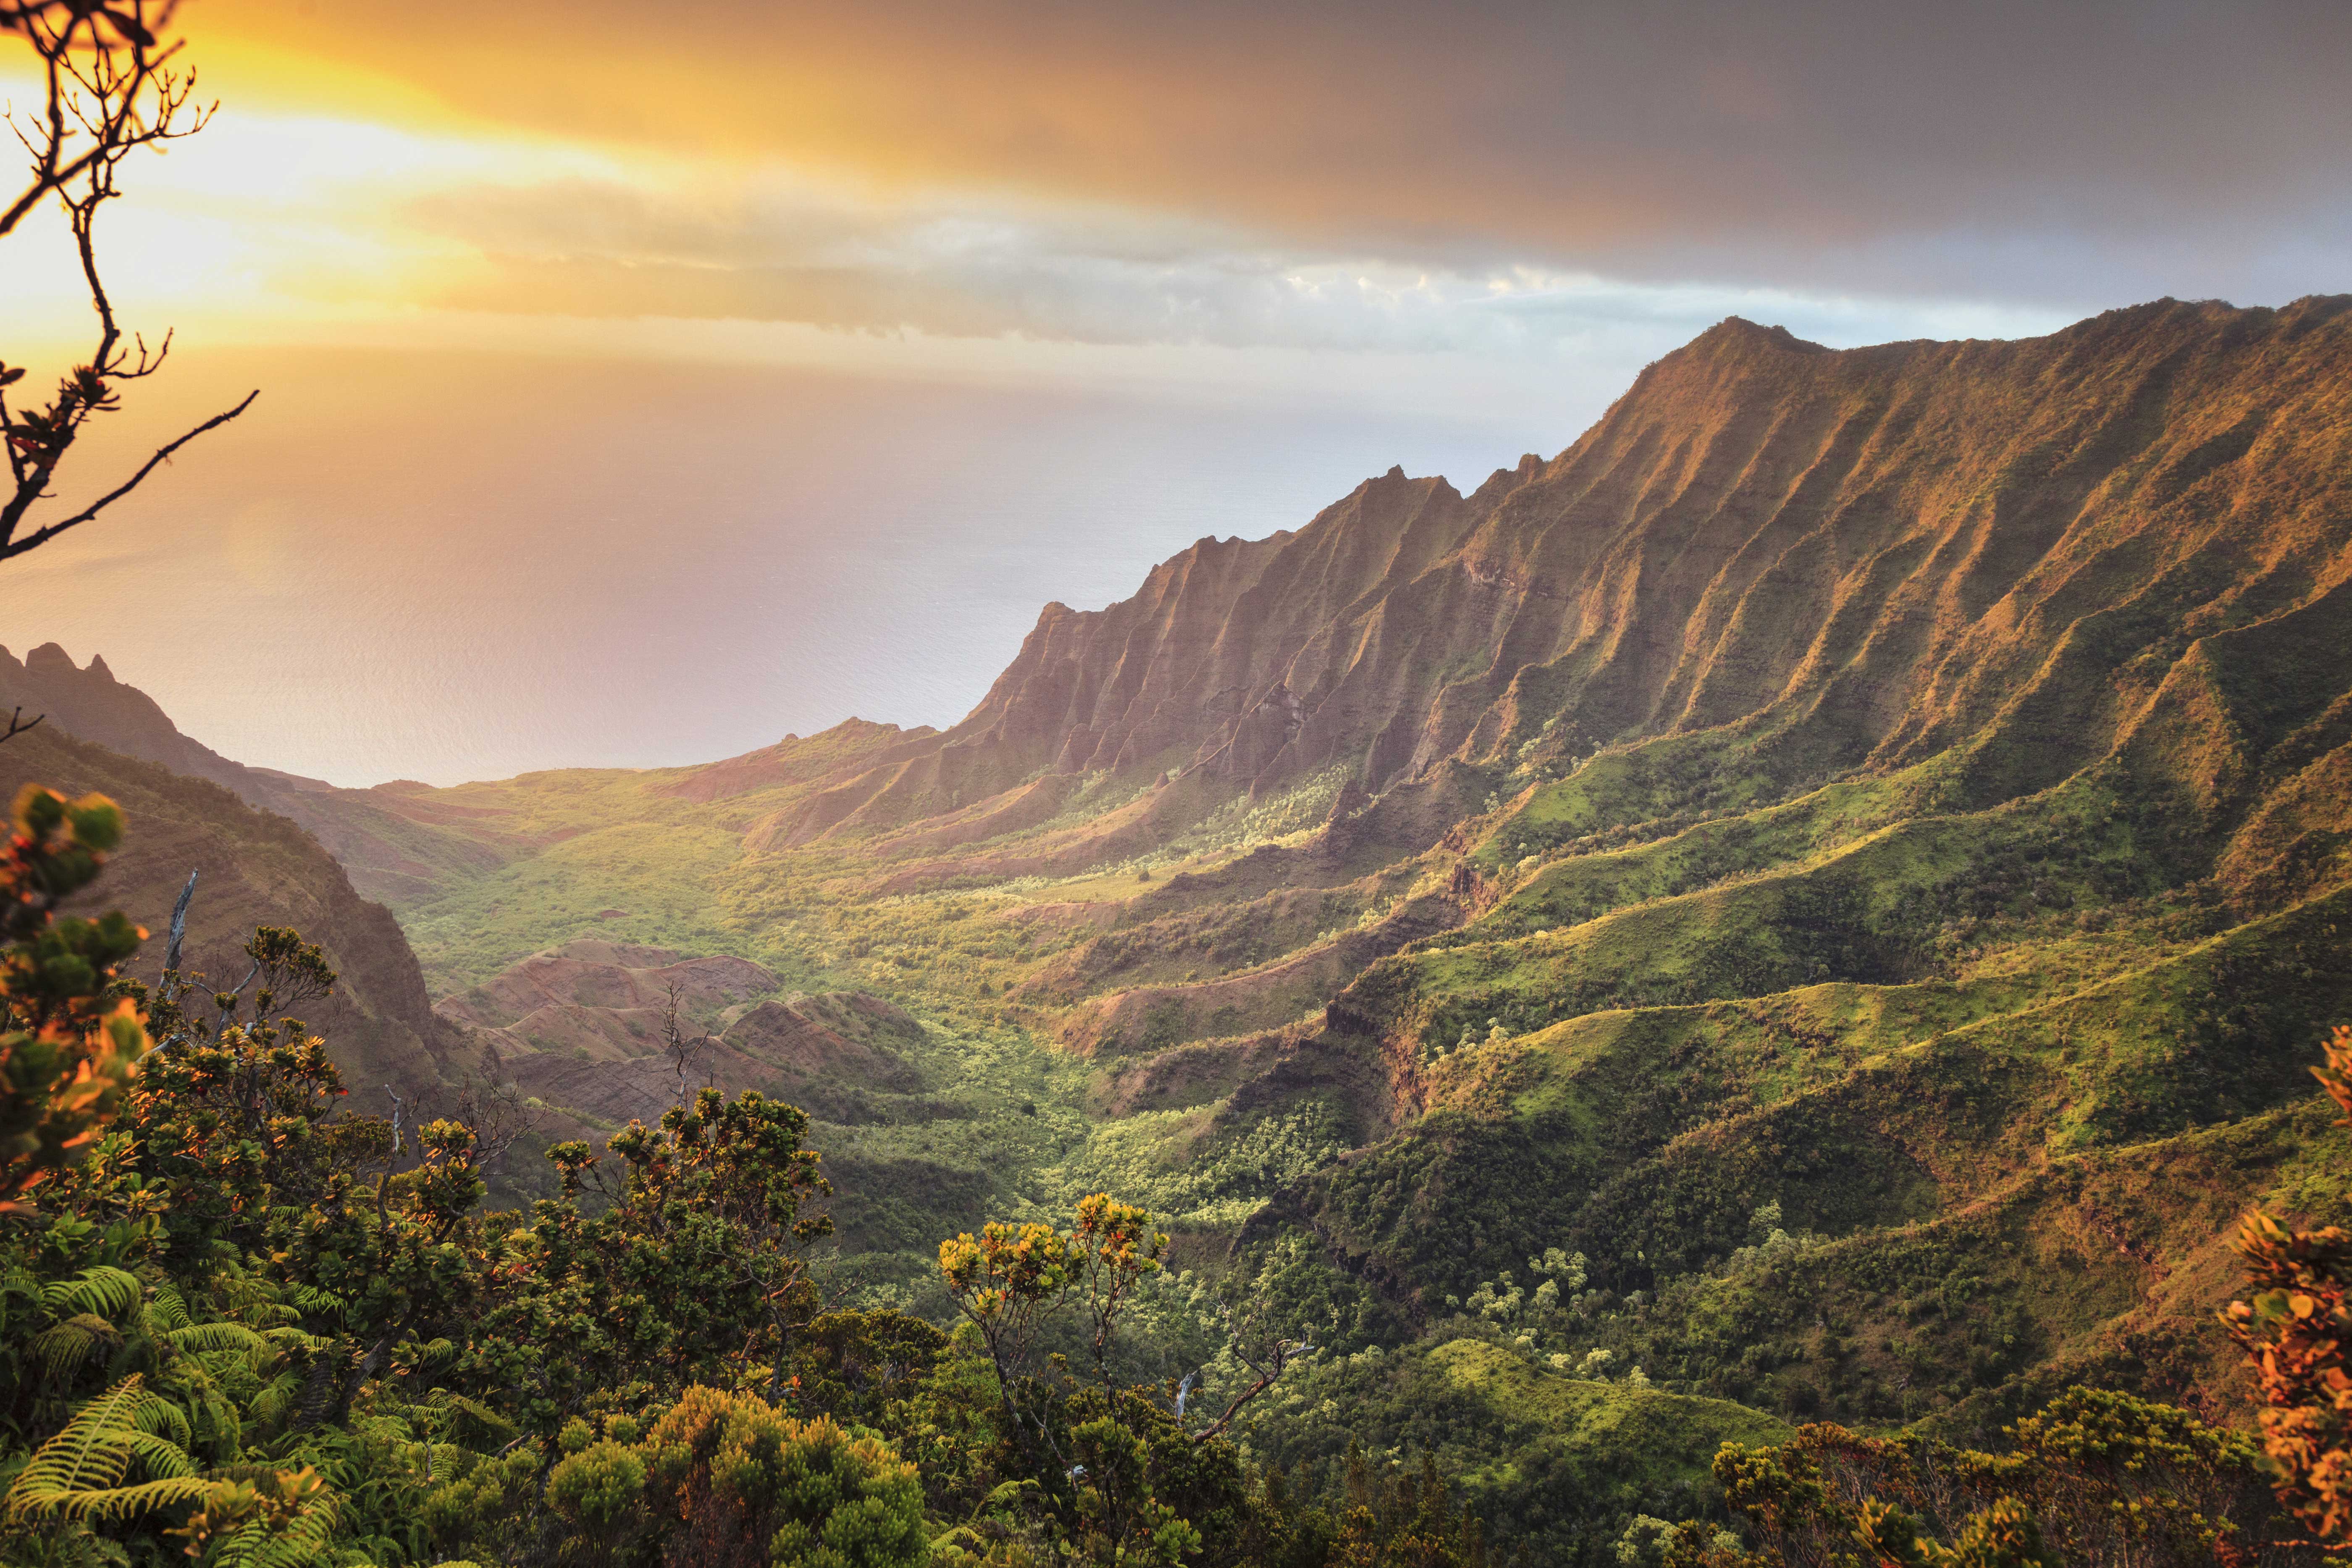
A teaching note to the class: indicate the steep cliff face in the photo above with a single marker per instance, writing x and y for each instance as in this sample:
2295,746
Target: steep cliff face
1907,791
257,868
1876,552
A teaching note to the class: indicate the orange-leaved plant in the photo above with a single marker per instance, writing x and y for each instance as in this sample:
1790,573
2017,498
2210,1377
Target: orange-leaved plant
2294,1332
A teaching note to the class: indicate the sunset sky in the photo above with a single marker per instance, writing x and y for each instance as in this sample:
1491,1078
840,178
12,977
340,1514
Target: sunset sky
640,383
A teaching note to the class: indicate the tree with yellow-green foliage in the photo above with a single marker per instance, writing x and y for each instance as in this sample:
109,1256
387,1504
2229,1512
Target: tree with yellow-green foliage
66,1044
2097,1476
2294,1329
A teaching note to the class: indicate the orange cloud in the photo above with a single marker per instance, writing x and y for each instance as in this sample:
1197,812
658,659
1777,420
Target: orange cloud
1691,137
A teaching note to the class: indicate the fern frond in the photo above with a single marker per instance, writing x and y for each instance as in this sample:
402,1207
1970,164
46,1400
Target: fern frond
104,1291
482,1415
88,1451
88,1455
79,1473
310,1299
164,1453
117,1503
19,1284
223,1428
302,1543
277,1397
197,1337
252,1301
166,1309
64,1348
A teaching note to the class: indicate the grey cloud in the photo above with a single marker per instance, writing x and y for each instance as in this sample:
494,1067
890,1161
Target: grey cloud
2089,152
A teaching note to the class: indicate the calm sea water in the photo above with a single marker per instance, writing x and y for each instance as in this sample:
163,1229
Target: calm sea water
439,567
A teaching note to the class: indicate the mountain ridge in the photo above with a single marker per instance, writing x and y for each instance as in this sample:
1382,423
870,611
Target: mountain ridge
383,837
1857,846
256,867
1651,576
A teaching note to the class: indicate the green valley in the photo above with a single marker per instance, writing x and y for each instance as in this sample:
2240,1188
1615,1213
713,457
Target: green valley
1815,904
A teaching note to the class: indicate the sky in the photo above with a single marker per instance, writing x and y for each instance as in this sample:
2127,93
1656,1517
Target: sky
641,382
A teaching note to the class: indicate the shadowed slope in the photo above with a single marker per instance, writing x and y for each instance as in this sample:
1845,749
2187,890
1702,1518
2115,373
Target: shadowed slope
255,869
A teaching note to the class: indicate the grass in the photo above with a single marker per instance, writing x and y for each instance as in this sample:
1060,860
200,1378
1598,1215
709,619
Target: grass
632,882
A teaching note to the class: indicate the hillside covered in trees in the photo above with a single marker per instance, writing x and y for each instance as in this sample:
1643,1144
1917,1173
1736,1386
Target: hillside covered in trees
1800,922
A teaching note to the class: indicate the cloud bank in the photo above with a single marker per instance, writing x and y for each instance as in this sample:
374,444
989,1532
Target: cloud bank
2058,154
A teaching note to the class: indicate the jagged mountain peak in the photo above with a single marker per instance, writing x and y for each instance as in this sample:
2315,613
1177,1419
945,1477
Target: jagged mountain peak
1877,546
1737,333
92,703
1902,789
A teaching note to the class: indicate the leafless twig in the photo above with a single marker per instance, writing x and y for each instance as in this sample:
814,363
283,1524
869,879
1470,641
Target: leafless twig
684,1053
1268,1367
179,926
110,88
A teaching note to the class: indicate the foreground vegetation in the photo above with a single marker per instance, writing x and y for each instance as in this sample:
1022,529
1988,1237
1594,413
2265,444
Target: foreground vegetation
244,1327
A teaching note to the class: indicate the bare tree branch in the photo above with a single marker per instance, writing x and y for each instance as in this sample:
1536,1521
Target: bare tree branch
105,69
684,1053
1277,1357
179,926
50,530
110,88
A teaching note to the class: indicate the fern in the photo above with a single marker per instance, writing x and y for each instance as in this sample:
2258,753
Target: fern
270,1406
103,1291
113,1504
17,1284
253,1301
161,1418
310,1299
166,1309
302,1543
79,1473
89,1451
200,1337
479,1421
65,1346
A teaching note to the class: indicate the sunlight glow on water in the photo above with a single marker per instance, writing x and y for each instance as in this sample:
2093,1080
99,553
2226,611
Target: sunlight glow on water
435,567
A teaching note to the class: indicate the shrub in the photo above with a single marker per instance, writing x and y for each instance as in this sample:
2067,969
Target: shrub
739,1475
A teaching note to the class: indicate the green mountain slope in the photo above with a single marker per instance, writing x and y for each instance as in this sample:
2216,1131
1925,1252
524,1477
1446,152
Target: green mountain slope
1857,847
